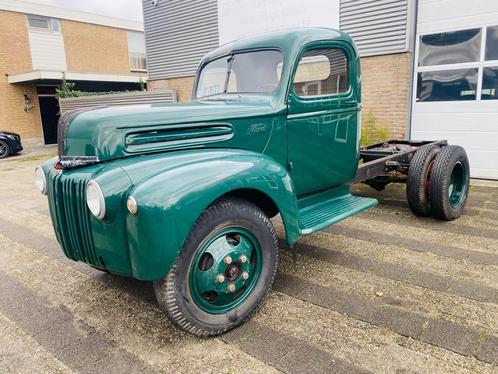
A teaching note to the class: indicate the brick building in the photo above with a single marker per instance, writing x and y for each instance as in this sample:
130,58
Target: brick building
429,67
38,43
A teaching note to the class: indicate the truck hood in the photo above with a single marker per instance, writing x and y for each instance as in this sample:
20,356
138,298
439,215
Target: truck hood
109,133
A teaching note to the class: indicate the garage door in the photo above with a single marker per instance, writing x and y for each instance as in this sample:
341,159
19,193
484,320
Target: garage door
456,76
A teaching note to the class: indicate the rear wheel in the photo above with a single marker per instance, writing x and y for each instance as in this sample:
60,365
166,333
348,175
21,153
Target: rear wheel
4,149
449,183
417,185
224,270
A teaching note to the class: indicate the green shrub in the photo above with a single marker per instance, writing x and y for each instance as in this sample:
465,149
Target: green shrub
373,132
66,89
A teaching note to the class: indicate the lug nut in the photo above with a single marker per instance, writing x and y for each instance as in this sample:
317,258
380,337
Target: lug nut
220,278
231,287
243,258
227,260
245,275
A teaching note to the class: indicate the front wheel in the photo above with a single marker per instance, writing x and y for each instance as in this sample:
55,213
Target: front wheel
4,149
224,270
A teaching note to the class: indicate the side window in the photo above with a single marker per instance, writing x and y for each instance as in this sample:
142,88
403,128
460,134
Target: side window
322,72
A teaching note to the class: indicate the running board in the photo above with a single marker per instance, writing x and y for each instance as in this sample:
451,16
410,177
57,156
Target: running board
320,213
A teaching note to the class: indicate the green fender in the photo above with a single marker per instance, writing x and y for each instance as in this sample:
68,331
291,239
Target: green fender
170,201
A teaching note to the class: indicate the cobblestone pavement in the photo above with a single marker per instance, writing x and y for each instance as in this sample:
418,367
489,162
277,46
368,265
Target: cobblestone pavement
381,292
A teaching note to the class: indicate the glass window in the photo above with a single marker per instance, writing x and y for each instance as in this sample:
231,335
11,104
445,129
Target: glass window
322,72
447,85
44,23
213,78
490,84
38,23
492,43
136,50
450,47
55,24
248,72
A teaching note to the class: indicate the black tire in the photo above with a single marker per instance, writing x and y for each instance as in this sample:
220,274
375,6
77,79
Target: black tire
418,177
173,291
449,183
4,149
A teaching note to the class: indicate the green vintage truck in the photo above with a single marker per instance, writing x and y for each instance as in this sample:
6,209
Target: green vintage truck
182,194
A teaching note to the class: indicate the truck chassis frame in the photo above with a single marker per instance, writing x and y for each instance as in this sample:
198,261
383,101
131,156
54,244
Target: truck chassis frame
388,162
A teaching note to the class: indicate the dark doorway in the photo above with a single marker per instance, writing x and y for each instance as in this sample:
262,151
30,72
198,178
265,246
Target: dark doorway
49,109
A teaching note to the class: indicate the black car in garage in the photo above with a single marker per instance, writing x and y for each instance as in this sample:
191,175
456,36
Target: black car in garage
10,143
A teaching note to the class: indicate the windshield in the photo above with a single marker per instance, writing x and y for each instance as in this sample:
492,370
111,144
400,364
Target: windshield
248,72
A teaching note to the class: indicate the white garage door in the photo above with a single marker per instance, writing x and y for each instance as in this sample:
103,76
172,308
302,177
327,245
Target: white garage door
456,79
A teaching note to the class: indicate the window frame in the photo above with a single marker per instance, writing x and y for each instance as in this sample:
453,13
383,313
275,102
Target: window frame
231,55
134,56
329,96
480,65
49,20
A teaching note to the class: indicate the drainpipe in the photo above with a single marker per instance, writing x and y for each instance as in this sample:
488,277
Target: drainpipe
412,44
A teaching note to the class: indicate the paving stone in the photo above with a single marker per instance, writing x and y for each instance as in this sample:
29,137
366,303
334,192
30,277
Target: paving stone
86,350
117,361
410,275
61,335
439,332
44,319
441,249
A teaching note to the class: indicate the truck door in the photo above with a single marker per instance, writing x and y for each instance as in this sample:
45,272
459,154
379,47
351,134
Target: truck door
322,124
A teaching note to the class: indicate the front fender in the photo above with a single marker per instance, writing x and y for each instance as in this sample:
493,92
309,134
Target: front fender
170,202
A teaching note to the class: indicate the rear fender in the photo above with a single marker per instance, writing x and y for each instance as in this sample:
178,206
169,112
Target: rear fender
170,202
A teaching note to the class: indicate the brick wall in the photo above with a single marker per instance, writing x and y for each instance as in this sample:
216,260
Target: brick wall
95,48
183,86
15,57
385,91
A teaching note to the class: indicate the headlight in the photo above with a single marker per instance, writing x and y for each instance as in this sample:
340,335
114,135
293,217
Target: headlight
40,180
13,137
95,199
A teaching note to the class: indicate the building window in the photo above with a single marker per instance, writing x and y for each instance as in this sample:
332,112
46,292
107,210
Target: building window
447,85
450,48
490,84
39,23
136,51
321,72
453,66
492,43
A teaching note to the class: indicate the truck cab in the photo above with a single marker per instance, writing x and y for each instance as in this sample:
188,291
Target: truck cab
182,194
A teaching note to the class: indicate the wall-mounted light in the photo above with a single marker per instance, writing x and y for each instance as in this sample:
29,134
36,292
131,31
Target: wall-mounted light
27,104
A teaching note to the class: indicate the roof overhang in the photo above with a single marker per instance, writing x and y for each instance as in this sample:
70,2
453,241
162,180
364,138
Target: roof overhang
27,7
36,75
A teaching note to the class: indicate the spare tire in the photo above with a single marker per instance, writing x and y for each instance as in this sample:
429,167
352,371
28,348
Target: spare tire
449,183
417,185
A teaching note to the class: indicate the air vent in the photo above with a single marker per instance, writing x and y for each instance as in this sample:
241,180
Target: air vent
174,137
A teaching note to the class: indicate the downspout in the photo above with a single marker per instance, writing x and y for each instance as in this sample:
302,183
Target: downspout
412,44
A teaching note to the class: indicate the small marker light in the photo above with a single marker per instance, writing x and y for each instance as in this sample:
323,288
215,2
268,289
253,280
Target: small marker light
132,206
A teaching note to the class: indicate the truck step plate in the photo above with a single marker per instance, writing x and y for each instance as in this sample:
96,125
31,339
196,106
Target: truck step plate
325,213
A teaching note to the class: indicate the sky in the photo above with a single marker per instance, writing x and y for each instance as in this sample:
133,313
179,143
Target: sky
128,9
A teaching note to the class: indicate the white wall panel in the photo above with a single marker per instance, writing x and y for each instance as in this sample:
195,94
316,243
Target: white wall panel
448,15
241,18
47,51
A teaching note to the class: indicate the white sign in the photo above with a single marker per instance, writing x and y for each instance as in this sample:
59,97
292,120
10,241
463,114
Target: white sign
241,18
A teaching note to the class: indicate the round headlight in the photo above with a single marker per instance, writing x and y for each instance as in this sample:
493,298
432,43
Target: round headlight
95,199
40,180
